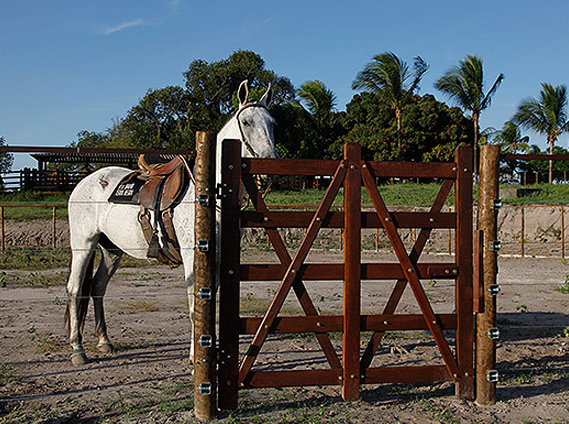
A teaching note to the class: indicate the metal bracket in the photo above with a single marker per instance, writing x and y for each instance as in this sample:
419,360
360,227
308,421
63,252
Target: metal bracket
495,245
494,333
494,289
498,204
203,200
202,246
493,376
219,191
205,293
206,341
205,389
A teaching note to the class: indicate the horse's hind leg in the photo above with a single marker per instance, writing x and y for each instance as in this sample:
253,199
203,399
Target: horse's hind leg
78,297
110,259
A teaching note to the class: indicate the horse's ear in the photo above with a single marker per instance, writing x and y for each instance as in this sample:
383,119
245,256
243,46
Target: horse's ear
267,97
243,93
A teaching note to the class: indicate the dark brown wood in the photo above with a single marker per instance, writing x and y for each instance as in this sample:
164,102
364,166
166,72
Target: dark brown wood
326,324
352,272
464,283
487,214
294,378
369,271
410,271
407,374
229,275
284,257
205,355
292,271
397,293
301,219
512,156
290,276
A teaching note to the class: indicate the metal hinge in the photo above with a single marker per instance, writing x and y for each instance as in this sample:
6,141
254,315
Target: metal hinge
202,246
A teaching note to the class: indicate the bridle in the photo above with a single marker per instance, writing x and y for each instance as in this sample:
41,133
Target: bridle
243,140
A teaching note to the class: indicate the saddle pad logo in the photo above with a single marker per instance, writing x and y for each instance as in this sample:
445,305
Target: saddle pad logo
127,190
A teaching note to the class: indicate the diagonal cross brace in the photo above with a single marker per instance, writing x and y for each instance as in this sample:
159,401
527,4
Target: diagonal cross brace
397,293
284,257
290,274
410,272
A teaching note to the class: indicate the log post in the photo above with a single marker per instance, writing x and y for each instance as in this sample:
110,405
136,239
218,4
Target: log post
2,233
53,236
205,387
486,375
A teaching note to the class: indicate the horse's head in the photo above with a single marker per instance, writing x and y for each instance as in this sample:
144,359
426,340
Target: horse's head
252,124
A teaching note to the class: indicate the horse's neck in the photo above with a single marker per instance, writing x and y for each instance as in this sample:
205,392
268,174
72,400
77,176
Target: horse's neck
229,131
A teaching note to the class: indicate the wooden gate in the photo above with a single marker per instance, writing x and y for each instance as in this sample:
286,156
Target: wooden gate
352,368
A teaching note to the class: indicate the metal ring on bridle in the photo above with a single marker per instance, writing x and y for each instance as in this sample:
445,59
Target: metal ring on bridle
243,140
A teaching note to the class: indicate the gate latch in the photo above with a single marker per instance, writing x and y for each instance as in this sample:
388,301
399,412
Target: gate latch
204,389
203,200
206,341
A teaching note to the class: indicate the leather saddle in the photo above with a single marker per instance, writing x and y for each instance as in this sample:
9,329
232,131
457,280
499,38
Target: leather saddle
157,186
165,182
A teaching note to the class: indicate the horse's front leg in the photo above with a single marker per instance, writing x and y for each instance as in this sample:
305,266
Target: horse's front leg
109,264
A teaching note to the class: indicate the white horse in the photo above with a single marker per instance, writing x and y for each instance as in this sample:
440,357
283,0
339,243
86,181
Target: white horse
114,228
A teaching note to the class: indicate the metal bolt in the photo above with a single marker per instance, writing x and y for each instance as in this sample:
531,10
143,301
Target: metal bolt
243,165
231,272
410,270
293,271
435,322
352,167
319,324
364,166
387,219
230,166
318,219
266,218
467,374
431,219
386,322
229,382
342,165
454,168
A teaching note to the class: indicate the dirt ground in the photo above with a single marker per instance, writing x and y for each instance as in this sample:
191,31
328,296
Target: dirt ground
148,379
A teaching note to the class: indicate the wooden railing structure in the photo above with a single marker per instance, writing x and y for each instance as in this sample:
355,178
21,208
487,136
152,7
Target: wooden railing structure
350,370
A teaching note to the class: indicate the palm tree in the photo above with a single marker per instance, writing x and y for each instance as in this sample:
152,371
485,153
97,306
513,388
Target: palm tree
546,115
320,101
465,85
389,77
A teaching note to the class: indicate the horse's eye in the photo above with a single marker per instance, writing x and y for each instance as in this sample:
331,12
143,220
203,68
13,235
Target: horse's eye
246,122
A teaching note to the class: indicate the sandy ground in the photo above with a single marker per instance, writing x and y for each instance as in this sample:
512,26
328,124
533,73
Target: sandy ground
148,378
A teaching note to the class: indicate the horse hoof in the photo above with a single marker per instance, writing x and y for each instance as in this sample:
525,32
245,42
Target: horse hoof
106,348
79,358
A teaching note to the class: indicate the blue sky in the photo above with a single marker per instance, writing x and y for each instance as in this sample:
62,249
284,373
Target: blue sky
68,66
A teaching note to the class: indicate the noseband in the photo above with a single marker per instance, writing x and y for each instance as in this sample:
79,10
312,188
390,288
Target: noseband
243,140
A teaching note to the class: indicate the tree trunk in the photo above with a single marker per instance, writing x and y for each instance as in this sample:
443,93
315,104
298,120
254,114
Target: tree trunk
551,143
475,118
398,117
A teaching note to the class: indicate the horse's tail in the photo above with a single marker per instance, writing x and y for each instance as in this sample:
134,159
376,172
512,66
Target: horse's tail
83,297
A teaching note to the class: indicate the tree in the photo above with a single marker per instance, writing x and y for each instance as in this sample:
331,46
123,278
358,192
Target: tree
6,159
389,77
465,85
546,115
430,129
510,140
319,100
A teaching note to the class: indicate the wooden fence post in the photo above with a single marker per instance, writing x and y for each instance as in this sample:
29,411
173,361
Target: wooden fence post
205,387
486,322
53,236
352,273
2,233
